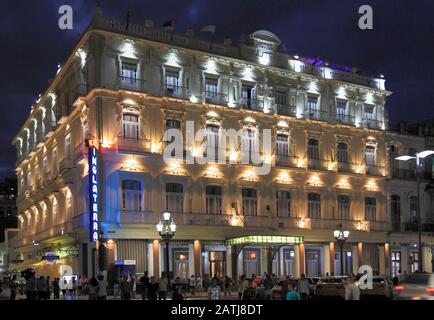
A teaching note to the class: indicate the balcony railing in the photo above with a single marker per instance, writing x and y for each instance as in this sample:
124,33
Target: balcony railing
328,224
285,161
374,170
216,98
285,110
372,123
344,167
398,173
345,119
132,84
427,225
317,164
318,115
175,91
251,104
125,144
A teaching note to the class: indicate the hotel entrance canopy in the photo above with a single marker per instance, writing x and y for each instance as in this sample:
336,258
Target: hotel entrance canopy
266,240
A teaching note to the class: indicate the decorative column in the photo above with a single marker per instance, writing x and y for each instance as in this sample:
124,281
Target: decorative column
355,255
302,259
327,260
156,258
197,257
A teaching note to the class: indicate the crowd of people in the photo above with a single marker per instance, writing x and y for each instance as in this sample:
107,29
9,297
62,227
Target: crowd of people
153,288
43,288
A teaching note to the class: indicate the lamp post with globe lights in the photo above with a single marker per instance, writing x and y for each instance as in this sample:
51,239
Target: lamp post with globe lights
341,236
166,229
419,166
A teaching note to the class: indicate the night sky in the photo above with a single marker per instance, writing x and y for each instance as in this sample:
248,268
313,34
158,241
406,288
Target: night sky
401,45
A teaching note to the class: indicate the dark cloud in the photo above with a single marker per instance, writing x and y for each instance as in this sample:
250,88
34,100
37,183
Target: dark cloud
400,46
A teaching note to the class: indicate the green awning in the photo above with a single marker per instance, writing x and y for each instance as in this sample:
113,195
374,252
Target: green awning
264,239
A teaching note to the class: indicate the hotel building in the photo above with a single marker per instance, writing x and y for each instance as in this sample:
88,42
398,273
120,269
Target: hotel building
124,85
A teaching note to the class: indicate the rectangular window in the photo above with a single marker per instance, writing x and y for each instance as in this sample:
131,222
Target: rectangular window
341,111
396,263
212,138
370,209
313,149
370,156
314,205
248,97
213,200
283,203
342,153
174,197
313,108
129,73
280,98
249,202
172,80
68,147
211,88
130,126
131,195
282,145
250,145
344,207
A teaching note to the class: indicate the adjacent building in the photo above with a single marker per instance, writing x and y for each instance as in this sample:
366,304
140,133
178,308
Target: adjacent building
91,171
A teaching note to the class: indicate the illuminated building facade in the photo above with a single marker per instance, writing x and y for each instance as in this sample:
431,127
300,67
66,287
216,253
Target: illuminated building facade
123,87
402,201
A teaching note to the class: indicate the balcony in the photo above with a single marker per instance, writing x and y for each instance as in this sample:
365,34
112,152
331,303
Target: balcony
216,98
131,216
328,224
27,236
251,104
317,115
398,173
175,91
286,110
131,84
372,124
65,165
132,145
344,167
317,164
345,119
427,225
371,170
286,161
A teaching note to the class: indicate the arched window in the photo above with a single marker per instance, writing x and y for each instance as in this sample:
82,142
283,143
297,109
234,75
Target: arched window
395,212
250,202
131,195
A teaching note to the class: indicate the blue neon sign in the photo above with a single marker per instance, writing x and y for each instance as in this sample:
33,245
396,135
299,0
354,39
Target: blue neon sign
93,192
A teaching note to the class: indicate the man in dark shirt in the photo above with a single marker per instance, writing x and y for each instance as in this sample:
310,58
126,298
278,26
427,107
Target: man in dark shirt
145,284
152,289
178,290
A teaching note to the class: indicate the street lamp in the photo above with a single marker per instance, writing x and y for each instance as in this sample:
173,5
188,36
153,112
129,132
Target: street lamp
419,165
166,229
341,236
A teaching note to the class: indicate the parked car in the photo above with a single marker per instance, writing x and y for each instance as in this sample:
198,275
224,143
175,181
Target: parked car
417,286
328,287
382,287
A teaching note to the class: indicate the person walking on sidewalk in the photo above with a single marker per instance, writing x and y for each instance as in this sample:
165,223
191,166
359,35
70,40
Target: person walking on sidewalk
162,287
